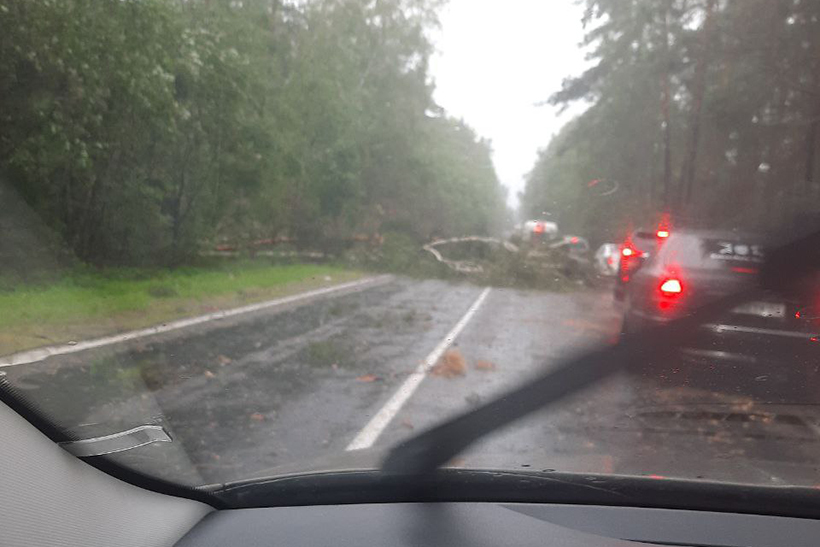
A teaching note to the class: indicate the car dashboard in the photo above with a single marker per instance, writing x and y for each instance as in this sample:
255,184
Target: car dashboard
49,497
493,524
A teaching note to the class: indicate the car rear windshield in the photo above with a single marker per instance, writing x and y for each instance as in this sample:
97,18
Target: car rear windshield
644,240
714,252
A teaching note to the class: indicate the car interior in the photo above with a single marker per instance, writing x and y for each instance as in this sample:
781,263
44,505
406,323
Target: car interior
409,273
50,497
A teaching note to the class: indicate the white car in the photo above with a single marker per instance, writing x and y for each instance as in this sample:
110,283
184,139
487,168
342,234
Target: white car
607,258
533,229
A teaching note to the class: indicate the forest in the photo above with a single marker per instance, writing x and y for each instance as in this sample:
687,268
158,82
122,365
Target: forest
703,110
141,132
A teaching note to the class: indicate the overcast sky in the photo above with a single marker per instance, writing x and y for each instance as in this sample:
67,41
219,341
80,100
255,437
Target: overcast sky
495,60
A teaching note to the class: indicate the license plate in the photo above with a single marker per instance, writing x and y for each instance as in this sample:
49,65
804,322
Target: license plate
762,309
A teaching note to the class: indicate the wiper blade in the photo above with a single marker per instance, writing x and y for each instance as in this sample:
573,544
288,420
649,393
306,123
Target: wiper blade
433,448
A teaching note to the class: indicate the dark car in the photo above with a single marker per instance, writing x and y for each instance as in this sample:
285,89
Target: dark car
635,251
770,342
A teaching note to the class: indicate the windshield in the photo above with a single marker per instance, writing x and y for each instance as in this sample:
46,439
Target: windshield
713,251
245,239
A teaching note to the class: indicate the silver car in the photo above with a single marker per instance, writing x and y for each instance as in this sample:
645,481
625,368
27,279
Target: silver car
607,258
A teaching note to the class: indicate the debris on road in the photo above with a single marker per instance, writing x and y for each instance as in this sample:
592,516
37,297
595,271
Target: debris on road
367,378
224,360
209,374
484,365
450,365
497,262
257,417
465,266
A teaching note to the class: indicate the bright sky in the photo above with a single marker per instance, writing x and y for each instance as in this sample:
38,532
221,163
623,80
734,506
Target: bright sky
495,60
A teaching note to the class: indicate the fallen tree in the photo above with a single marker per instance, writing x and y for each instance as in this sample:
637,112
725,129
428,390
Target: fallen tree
465,266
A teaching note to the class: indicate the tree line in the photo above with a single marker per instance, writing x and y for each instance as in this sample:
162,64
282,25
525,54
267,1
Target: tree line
708,110
141,130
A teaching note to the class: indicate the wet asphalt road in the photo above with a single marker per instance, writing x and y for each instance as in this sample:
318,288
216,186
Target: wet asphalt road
267,391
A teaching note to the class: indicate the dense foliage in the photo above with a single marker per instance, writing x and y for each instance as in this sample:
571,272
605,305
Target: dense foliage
708,109
140,130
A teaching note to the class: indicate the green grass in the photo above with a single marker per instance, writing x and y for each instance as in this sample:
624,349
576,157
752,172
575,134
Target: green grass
93,303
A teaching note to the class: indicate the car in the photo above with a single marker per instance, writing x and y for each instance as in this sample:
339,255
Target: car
638,248
576,246
607,259
538,230
768,342
577,250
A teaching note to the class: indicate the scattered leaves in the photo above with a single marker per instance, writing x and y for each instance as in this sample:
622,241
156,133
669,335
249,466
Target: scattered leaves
408,424
209,374
484,365
367,378
450,365
258,417
223,360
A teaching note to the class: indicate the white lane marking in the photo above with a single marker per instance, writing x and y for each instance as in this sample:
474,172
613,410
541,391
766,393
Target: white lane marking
40,354
370,432
754,330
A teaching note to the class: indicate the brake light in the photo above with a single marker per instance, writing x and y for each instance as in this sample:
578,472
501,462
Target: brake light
662,234
671,287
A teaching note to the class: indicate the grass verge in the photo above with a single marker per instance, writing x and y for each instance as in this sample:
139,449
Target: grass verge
88,304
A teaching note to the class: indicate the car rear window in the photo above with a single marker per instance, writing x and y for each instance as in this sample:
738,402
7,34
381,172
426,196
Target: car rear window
714,252
727,251
644,241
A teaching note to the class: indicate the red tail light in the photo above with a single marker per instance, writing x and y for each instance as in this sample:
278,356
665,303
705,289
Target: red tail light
671,287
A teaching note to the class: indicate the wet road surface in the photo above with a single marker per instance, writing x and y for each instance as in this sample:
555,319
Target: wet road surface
254,394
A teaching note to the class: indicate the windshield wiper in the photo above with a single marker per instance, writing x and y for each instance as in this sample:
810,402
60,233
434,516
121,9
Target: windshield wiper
427,451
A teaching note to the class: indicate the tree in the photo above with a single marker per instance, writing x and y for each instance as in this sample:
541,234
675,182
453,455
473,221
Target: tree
140,129
738,115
